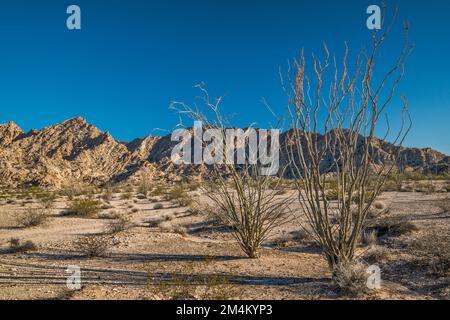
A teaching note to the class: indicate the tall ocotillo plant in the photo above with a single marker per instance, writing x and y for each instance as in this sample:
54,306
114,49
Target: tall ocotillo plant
332,141
245,198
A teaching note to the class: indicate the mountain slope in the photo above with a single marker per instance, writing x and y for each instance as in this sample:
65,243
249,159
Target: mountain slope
74,150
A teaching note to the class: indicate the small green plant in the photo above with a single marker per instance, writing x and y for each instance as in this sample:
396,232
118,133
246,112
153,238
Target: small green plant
83,208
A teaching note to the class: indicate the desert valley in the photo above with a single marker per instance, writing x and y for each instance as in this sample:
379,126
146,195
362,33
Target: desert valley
140,227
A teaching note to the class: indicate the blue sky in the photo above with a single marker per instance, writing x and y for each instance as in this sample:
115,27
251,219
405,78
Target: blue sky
133,57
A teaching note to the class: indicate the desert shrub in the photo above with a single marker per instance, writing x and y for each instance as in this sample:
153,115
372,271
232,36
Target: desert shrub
92,245
377,209
332,193
32,218
47,200
179,196
426,187
158,206
109,215
392,227
16,245
165,226
126,196
83,208
350,279
158,190
192,282
179,230
119,224
300,235
141,196
107,193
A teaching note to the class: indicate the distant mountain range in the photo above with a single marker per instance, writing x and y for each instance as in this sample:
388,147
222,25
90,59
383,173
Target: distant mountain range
74,151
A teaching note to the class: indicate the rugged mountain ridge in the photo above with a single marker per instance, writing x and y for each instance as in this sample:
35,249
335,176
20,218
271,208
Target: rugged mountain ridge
75,150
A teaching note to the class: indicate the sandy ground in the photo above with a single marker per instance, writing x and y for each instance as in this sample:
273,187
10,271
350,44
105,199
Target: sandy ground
142,257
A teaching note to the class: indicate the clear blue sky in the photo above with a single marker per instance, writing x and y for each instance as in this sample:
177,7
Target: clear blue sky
133,57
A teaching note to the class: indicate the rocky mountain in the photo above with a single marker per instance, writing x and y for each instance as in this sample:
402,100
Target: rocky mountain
75,151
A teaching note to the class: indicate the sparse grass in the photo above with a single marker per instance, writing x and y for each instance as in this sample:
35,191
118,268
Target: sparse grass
192,281
83,208
32,218
375,254
434,250
369,238
92,245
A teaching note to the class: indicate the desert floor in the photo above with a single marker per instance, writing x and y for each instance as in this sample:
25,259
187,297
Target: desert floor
190,256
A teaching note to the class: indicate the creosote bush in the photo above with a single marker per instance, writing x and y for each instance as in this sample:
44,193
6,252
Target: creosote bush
83,208
92,245
32,217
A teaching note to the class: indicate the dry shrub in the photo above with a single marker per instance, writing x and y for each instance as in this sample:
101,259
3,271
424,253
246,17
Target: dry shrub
301,235
16,245
126,196
109,215
92,245
158,206
121,223
158,190
378,208
83,208
393,227
179,196
350,279
192,282
32,218
332,194
47,200
141,196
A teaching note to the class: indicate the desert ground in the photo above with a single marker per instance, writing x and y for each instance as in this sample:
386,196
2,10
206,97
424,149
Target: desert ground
163,244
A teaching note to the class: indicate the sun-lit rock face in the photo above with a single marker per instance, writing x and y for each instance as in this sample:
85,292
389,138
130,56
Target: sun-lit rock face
75,151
